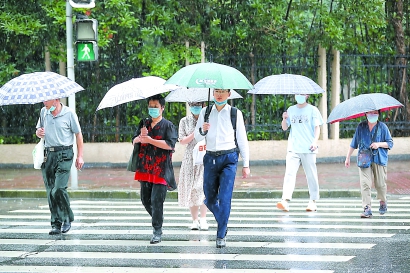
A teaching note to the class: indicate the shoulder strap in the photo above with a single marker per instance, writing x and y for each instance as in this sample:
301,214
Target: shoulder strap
234,111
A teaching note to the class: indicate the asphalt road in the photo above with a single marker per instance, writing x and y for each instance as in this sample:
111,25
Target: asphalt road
111,235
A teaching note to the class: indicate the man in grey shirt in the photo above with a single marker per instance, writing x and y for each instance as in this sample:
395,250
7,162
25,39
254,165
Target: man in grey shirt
57,125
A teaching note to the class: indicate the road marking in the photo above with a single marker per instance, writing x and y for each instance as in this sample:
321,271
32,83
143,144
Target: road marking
211,233
176,256
185,243
68,269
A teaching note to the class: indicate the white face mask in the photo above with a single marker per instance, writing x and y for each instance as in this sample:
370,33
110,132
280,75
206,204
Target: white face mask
372,118
300,99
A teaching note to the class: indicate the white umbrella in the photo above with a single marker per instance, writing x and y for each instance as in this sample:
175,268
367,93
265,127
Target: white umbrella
183,94
37,87
134,89
286,84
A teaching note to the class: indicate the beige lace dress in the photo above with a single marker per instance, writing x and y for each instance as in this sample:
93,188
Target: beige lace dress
190,185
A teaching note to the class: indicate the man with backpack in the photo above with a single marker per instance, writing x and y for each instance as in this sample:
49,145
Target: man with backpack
225,139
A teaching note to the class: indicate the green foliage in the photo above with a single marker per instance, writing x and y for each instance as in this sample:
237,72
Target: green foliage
140,38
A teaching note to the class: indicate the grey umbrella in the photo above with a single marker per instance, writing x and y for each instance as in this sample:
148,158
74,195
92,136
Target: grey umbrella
357,106
286,84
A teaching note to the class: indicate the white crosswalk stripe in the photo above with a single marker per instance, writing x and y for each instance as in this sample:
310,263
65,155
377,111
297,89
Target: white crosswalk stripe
113,236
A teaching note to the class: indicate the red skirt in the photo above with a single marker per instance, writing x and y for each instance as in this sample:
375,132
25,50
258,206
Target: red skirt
149,178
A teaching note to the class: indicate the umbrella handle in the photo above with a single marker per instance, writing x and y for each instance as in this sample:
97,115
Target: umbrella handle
202,133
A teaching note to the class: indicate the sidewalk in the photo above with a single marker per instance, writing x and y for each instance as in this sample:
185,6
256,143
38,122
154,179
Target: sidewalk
266,182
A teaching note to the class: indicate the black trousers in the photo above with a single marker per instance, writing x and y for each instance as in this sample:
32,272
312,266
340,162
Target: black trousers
153,197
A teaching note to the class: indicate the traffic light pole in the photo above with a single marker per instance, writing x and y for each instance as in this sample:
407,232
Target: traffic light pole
71,76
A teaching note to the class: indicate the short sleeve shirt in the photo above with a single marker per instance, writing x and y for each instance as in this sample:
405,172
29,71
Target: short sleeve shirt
302,122
59,130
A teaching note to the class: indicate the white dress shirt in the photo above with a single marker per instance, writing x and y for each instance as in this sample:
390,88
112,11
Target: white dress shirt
221,135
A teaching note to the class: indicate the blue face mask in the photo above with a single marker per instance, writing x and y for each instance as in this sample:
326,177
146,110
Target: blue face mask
372,118
196,110
300,99
220,103
153,112
52,108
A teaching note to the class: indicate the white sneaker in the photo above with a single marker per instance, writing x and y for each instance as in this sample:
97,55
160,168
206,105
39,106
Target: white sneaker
283,205
203,224
195,225
311,206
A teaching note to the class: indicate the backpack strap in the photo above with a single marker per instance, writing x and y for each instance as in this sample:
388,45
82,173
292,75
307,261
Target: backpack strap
234,111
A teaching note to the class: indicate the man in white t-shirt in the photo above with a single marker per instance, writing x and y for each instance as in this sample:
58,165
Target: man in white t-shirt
304,120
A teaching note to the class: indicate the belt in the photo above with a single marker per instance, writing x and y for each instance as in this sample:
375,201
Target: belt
58,148
224,152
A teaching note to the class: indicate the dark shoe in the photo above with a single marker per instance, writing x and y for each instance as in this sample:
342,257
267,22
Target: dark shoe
383,207
54,231
65,227
155,239
367,213
220,243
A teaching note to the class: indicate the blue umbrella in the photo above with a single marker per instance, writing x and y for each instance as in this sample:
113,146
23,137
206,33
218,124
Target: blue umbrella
37,87
286,84
358,106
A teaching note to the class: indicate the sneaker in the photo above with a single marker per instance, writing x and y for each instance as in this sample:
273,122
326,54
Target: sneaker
383,207
195,225
311,206
283,205
367,213
203,224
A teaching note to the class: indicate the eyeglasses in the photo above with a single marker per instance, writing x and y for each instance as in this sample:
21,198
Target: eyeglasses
221,91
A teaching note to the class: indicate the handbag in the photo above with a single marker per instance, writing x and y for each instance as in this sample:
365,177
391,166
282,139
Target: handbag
198,153
132,163
364,158
38,154
365,154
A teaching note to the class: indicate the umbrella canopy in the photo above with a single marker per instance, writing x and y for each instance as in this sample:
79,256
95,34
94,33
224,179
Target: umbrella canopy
357,106
286,84
37,87
183,94
134,89
210,75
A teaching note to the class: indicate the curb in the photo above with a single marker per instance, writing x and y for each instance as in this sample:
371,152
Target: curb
121,194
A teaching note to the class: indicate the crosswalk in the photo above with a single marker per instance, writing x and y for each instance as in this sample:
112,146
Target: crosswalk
113,236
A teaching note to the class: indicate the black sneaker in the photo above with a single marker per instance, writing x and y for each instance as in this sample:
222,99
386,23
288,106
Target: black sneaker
54,231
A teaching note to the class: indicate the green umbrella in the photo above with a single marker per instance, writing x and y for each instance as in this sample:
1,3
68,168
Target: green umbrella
210,75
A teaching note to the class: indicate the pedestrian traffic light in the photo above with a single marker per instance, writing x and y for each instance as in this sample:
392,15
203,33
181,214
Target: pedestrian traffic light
87,51
86,39
88,4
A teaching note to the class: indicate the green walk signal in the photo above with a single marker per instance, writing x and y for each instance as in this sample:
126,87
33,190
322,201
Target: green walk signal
87,51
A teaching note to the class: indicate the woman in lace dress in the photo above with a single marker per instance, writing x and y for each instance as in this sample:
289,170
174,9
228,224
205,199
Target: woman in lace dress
190,186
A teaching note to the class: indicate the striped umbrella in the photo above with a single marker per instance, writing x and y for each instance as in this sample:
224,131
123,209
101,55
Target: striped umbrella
286,84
